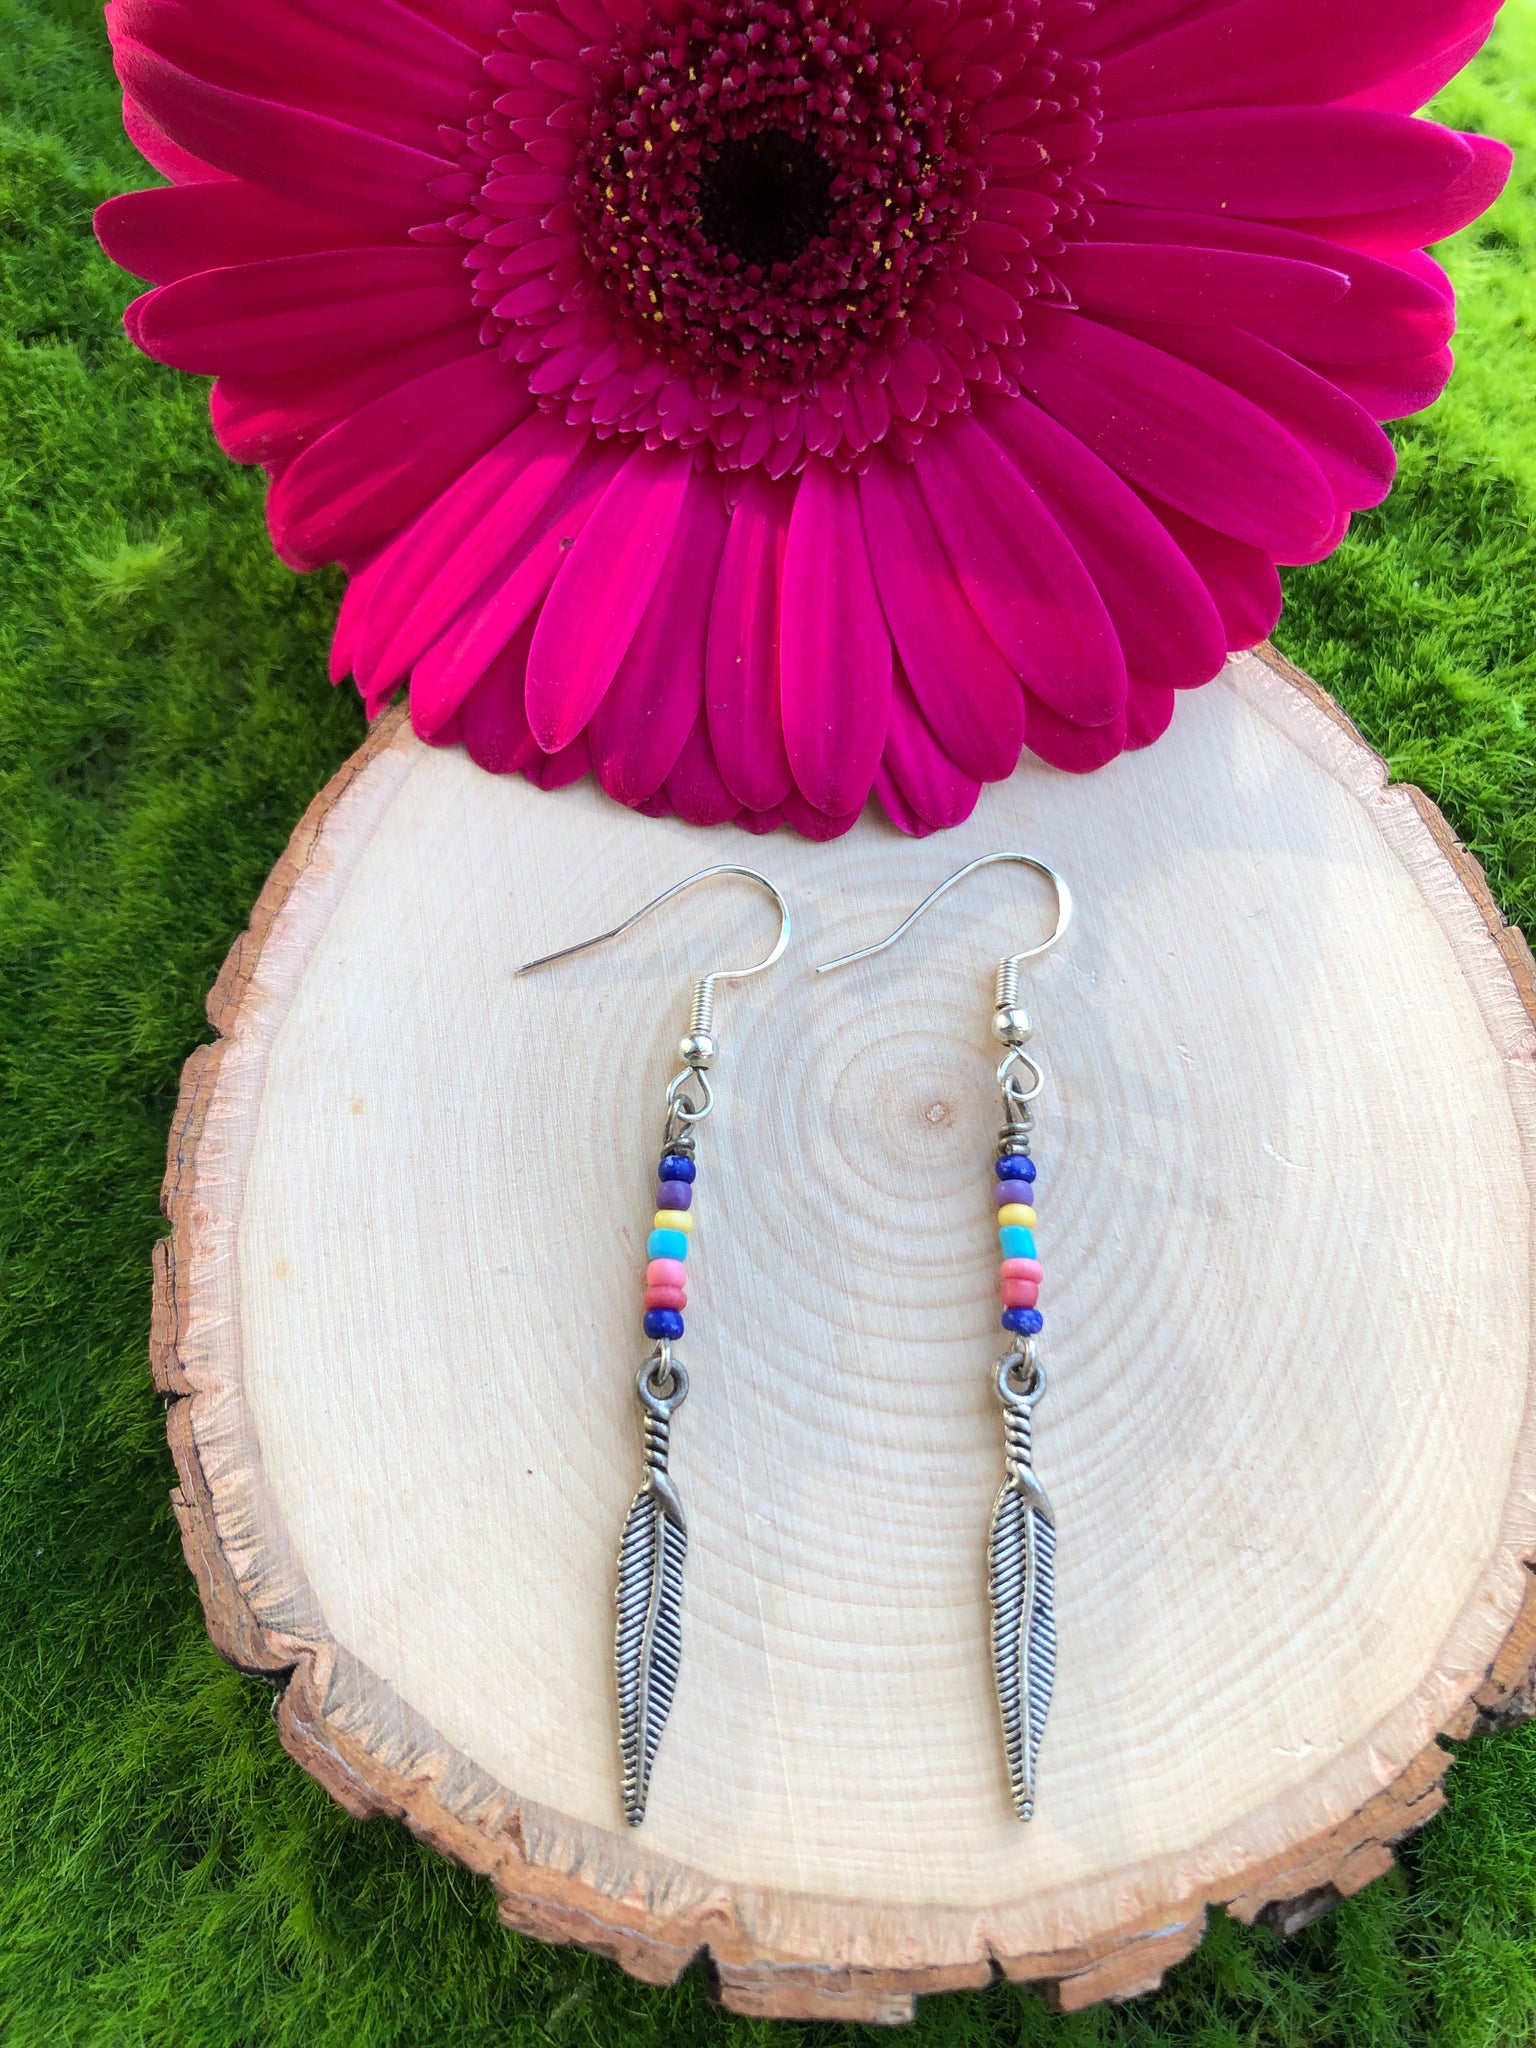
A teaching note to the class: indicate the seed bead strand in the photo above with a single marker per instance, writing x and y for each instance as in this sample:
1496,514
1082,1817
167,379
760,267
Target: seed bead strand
1021,1272
666,1277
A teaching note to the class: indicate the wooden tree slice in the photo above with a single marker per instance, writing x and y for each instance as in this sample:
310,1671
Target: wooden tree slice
1285,1150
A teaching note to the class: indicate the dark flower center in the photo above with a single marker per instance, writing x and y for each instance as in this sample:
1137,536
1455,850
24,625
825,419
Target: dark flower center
769,188
791,227
764,198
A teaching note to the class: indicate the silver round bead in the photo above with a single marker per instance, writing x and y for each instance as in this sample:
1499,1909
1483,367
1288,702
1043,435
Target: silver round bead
1012,1026
698,1049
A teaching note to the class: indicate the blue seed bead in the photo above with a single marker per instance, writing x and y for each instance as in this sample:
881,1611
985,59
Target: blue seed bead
674,1194
663,1322
675,1167
666,1244
1015,1169
1016,1241
1025,1322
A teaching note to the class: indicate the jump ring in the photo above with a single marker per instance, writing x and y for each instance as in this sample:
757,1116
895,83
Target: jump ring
1024,1359
662,1382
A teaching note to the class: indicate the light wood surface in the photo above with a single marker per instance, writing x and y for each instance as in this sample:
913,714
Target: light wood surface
1286,1154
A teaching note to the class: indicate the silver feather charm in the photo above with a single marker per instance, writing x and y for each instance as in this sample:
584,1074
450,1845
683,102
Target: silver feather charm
1021,1562
649,1643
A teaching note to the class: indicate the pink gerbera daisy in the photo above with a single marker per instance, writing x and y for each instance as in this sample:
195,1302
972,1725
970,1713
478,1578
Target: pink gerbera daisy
760,402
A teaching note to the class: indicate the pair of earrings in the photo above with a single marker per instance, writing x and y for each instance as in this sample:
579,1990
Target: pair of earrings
1022,1542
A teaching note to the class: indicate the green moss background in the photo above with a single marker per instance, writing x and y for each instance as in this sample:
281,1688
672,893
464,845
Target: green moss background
167,1876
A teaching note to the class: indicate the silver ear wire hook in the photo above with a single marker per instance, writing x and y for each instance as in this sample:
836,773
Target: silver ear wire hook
1014,960
698,1046
1010,1023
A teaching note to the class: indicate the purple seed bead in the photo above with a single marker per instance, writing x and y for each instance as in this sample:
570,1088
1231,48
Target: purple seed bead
674,1194
1014,1191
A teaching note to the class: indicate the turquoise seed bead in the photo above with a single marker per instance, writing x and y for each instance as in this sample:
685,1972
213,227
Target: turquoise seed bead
671,1244
1017,1242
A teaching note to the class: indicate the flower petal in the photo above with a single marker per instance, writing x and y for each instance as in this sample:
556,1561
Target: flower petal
741,673
931,792
1227,287
639,728
425,575
492,721
802,816
1395,390
969,694
1168,628
1280,53
515,581
1169,429
1276,162
1340,436
374,472
1080,749
600,592
1023,581
1148,714
269,419
1387,311
372,63
896,807
1429,220
1409,90
1242,581
158,150
305,157
475,22
696,787
559,771
298,312
173,231
1103,31
835,649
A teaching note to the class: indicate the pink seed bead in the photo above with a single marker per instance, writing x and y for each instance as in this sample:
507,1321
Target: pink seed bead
1020,1293
666,1273
668,1297
1022,1269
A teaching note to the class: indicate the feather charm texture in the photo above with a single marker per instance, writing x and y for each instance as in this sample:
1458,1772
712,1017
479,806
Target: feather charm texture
648,1648
1021,1563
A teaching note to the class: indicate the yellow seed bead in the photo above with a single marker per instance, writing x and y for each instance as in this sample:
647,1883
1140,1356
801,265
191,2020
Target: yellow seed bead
678,1219
1017,1214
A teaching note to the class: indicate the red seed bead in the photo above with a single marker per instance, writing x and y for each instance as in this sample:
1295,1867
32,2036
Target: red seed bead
677,1297
1016,1293
1021,1269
